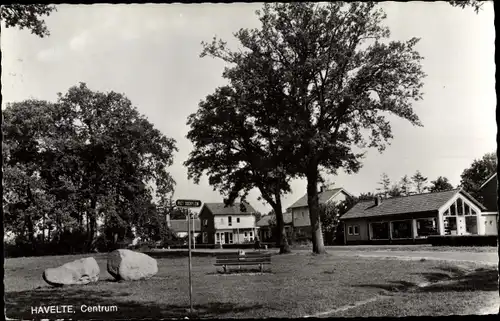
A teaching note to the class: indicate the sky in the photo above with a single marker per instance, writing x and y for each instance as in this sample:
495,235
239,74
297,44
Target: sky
150,53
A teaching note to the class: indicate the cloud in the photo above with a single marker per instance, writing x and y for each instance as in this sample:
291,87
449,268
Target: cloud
79,42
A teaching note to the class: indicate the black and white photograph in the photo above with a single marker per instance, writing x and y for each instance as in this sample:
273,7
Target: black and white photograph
249,160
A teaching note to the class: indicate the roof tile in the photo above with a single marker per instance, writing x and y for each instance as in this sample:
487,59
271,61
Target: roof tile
323,197
220,209
400,205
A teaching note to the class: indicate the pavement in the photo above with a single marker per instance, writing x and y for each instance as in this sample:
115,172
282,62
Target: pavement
478,257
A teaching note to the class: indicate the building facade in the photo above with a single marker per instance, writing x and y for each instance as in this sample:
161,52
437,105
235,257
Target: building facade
266,227
414,218
299,210
489,195
228,225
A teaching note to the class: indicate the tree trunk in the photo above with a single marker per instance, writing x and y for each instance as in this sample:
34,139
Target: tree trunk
92,223
313,203
282,239
31,234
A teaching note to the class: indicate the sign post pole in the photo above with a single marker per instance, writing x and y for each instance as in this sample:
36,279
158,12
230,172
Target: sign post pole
189,250
185,204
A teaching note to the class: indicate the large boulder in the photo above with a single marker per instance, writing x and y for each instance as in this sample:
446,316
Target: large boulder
82,271
129,265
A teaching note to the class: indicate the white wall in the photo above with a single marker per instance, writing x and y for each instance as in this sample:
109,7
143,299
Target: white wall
246,221
301,214
488,224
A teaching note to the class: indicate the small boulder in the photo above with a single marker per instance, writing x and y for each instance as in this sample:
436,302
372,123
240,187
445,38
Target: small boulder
130,265
82,271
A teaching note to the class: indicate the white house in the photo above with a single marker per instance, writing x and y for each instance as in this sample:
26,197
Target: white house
227,225
300,211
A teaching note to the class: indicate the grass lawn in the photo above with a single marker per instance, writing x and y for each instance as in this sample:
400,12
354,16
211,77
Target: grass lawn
296,285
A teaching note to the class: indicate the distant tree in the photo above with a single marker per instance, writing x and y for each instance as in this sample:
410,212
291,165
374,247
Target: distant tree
480,170
258,216
332,75
476,5
365,196
406,186
385,183
440,184
27,16
420,182
395,190
330,214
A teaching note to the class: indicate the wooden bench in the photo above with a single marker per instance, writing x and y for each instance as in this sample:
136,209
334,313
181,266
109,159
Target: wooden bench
249,258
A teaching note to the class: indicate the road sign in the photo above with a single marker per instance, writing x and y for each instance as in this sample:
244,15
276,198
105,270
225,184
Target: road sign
188,203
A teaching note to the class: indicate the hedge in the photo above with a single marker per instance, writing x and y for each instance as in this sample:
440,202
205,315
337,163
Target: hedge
463,240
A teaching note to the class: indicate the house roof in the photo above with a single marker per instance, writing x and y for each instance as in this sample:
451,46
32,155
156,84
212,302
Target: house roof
426,202
264,220
221,209
323,197
181,225
488,180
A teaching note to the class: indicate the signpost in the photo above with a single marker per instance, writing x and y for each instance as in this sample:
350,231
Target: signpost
186,204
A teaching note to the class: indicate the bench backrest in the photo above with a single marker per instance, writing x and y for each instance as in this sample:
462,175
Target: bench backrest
248,257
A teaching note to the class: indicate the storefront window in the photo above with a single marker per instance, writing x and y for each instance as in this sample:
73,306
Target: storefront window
450,226
471,224
380,231
401,230
426,227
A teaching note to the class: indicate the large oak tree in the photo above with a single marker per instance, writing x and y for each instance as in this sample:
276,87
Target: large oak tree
337,76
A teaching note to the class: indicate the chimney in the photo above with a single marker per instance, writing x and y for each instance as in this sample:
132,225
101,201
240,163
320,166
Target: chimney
378,200
168,221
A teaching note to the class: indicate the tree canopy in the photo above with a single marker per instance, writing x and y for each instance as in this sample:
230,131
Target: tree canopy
88,158
479,171
27,16
440,184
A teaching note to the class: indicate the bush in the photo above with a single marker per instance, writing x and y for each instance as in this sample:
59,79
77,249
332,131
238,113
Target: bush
463,240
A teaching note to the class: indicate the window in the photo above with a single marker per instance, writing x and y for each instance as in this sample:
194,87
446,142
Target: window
447,212
471,224
401,230
460,208
467,209
205,222
246,234
349,230
251,234
356,229
229,221
237,220
205,237
426,227
450,226
380,231
453,209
